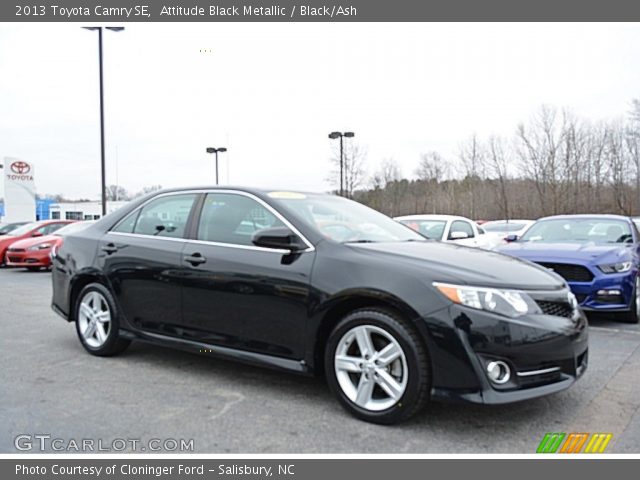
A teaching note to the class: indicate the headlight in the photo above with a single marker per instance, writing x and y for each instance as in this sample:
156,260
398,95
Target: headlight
620,267
510,303
40,246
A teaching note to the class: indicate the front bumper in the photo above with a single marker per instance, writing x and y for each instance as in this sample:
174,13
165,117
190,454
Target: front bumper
28,258
545,354
591,300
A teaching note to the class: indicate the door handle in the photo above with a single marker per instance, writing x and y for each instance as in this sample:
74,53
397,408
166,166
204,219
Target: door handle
109,248
195,259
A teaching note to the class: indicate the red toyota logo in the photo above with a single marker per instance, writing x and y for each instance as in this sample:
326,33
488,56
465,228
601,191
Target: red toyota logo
20,168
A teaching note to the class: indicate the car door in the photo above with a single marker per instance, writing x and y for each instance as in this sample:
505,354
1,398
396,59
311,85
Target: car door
141,258
236,294
462,226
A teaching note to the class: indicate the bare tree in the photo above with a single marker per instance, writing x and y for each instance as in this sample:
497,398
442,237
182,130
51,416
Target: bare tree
499,166
147,190
472,156
354,171
116,193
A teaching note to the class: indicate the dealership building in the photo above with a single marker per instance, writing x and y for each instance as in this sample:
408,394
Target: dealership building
81,210
21,205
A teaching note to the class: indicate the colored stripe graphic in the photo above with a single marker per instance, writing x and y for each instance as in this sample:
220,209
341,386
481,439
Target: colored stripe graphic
550,443
598,443
574,443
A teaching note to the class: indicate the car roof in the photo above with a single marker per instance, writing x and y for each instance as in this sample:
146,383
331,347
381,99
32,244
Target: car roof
511,220
602,216
433,217
253,190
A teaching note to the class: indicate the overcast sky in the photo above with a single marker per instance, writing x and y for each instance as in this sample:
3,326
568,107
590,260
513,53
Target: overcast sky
272,92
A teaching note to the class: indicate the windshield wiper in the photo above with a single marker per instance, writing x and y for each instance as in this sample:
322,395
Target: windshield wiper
360,241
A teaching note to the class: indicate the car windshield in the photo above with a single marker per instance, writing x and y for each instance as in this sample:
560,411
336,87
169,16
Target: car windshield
579,230
72,227
344,220
24,229
4,229
429,228
503,227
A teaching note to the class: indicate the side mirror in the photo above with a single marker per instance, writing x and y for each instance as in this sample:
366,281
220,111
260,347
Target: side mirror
36,234
458,235
511,238
278,237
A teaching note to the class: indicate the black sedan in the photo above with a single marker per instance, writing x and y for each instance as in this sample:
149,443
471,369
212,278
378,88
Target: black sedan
314,283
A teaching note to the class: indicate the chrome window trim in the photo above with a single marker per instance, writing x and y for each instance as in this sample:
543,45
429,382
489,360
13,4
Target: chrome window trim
310,247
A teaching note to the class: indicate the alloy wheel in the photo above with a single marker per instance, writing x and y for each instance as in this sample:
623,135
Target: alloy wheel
371,367
94,319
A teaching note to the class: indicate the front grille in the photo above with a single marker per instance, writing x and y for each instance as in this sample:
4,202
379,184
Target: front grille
14,259
571,273
557,309
16,250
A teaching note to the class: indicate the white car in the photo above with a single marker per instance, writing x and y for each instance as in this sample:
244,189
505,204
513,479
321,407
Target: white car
500,229
450,228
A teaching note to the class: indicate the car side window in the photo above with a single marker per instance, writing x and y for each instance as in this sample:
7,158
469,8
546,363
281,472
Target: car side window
461,226
52,227
163,217
232,218
128,224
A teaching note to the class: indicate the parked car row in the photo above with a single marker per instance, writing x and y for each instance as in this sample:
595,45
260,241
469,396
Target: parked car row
318,284
450,228
598,255
29,244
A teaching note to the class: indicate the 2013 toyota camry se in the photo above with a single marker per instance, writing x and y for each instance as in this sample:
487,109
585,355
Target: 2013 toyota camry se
315,283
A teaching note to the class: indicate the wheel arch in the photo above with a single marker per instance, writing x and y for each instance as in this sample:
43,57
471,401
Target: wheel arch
80,281
338,307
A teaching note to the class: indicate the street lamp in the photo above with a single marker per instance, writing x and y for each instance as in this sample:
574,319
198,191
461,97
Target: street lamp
216,151
102,162
341,135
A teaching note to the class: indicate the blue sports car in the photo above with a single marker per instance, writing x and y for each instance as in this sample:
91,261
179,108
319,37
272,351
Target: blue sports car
598,256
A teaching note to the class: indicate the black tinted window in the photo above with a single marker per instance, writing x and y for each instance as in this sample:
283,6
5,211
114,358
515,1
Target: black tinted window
164,216
461,226
232,218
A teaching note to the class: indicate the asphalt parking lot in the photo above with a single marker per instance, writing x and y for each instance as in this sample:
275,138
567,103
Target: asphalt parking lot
49,385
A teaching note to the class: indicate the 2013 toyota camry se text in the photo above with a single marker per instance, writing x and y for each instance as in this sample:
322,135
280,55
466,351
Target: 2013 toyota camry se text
318,284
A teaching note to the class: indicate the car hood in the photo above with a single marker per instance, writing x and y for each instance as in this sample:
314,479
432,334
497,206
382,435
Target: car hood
568,252
446,262
31,241
6,240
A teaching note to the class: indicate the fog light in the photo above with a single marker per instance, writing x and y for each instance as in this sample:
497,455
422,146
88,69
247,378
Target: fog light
609,292
498,372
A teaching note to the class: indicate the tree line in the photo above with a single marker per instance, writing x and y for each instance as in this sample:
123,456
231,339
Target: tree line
556,163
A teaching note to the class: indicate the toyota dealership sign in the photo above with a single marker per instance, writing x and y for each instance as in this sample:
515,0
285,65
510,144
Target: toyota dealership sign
19,191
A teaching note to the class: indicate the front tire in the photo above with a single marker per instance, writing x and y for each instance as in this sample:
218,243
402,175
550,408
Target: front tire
97,322
632,316
377,366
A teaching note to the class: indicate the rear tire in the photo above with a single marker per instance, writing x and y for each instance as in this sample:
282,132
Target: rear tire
97,321
632,316
377,366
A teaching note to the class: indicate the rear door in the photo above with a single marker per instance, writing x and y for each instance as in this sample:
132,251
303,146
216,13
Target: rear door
236,294
141,259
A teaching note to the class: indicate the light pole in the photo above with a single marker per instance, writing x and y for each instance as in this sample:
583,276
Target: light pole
341,135
216,151
102,162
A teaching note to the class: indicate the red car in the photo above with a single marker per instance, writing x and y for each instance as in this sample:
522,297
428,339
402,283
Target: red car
36,233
